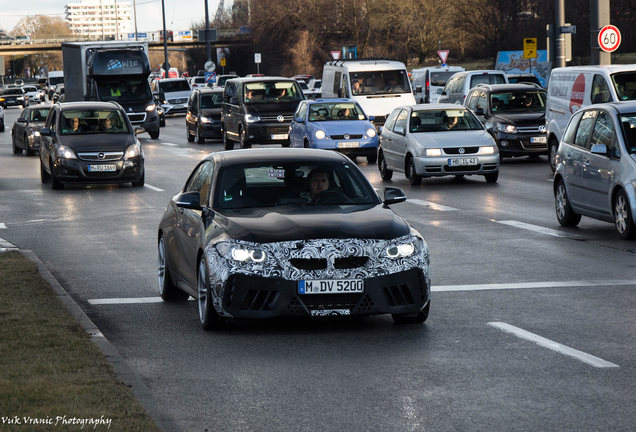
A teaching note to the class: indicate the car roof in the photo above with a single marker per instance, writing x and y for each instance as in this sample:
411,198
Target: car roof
209,90
88,105
500,88
321,100
276,155
262,79
620,107
435,106
173,79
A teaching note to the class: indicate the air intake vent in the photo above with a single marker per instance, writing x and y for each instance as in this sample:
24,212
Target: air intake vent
350,262
309,263
398,295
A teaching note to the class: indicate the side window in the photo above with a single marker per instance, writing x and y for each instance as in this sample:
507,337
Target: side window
482,102
230,92
301,111
52,120
458,85
600,90
472,100
401,120
390,122
568,136
582,138
24,114
603,131
345,86
497,79
336,81
201,181
192,101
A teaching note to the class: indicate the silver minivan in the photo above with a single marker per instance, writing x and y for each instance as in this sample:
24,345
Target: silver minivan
458,85
596,167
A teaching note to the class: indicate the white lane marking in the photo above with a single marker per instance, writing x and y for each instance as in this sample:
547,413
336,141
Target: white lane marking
2,226
154,188
537,228
431,205
125,300
168,144
5,245
531,285
554,346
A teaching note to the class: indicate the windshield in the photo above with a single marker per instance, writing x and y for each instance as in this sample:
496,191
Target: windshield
53,81
518,102
282,91
625,84
265,184
39,114
211,100
124,90
13,92
174,86
379,82
629,132
335,112
92,122
443,120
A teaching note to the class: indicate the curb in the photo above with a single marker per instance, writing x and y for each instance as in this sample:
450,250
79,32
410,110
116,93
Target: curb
122,369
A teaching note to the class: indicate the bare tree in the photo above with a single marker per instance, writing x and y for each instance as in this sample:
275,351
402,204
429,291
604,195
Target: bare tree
42,27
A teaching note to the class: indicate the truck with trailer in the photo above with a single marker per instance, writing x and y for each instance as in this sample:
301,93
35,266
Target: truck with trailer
112,71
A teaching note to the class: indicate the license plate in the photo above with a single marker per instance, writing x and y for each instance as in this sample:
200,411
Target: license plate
350,144
539,140
332,286
463,161
102,168
280,136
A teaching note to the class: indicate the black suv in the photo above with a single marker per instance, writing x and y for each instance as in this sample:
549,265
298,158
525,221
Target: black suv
515,116
203,115
259,110
90,142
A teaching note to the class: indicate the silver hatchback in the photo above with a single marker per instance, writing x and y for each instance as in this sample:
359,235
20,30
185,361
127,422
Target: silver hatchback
596,167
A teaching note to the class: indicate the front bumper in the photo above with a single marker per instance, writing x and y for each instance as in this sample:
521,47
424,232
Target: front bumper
521,144
76,171
271,288
174,108
149,120
367,146
439,166
268,133
211,130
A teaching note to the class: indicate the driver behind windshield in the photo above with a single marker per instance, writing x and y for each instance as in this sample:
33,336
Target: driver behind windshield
317,182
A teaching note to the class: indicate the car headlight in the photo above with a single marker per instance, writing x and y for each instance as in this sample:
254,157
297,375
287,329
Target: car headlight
150,108
249,118
65,153
400,251
206,120
488,150
432,152
320,134
248,255
132,151
35,133
506,128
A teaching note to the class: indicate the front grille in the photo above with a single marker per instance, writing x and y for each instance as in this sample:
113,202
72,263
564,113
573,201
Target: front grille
177,101
259,300
330,301
455,150
529,129
275,130
398,295
286,118
461,168
94,156
350,262
105,174
309,263
137,117
339,137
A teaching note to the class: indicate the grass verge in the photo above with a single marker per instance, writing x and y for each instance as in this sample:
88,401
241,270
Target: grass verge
51,372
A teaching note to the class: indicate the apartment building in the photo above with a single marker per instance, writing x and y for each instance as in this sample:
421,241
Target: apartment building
99,19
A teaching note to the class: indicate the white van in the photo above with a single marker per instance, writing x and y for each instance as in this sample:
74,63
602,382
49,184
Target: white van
571,88
378,85
428,82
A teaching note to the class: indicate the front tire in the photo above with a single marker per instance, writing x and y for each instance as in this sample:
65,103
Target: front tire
197,133
385,172
553,148
414,178
44,176
564,213
623,217
141,182
210,319
228,144
189,136
371,159
244,143
167,290
56,184
492,177
154,134
16,150
419,318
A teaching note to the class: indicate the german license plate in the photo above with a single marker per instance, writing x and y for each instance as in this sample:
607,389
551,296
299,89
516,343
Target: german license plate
332,286
539,140
102,168
462,161
280,136
349,144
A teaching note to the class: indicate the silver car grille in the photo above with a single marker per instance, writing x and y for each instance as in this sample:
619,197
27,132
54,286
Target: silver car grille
530,129
177,101
272,119
136,117
100,156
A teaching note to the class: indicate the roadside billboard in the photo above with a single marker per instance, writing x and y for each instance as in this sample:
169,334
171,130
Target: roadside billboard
513,62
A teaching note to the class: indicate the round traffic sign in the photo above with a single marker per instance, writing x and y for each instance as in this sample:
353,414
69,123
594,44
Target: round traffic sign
209,66
609,38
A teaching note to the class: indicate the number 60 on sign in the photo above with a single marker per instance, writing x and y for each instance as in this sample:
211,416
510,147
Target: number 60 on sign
609,38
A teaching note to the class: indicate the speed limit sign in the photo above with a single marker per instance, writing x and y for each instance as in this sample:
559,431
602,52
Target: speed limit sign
609,38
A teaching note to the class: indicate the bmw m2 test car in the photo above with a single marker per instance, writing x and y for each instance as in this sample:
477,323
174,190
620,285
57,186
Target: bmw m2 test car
260,233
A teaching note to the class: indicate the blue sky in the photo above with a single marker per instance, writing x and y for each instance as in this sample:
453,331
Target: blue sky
179,13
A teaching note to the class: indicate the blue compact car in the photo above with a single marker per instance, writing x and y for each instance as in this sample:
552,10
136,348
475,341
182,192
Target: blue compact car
334,124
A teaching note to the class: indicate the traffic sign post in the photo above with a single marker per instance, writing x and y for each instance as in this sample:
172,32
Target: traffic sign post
609,38
210,78
443,56
530,50
257,60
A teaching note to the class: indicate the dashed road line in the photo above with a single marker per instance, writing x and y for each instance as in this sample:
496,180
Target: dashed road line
534,285
168,144
2,226
154,188
554,346
431,205
538,229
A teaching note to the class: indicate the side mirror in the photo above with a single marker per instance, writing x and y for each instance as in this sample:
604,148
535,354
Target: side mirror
599,149
479,111
418,89
393,195
443,93
190,200
299,120
399,130
22,120
139,130
234,101
45,132
439,91
371,118
162,96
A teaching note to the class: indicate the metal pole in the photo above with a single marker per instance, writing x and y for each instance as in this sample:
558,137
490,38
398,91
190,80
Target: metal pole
599,18
166,65
560,38
208,46
135,7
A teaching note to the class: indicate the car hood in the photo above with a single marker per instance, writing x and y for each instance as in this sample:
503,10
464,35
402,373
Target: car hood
313,222
185,94
98,142
211,112
453,138
272,108
520,119
138,106
341,127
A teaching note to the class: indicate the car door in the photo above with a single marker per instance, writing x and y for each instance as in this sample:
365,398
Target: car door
47,141
19,127
575,156
189,231
191,112
397,142
598,170
386,139
298,128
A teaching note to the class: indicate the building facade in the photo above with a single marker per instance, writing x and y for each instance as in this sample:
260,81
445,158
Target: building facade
99,19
